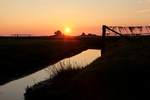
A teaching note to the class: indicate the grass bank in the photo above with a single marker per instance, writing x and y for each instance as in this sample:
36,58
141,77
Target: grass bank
23,56
121,74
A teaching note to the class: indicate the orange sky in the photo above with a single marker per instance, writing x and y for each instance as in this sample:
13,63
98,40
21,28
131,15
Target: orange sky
44,17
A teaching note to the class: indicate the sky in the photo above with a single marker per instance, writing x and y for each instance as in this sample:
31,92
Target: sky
44,17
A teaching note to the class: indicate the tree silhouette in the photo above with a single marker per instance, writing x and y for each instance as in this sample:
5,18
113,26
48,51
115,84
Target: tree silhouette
58,33
83,34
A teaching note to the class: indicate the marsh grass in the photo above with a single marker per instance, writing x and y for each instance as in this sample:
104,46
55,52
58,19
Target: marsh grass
59,81
23,56
121,74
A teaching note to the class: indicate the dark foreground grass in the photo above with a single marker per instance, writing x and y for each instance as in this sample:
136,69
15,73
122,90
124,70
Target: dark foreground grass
23,56
121,74
54,88
20,56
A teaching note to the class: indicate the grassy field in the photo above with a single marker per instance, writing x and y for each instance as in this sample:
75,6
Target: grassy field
121,74
23,56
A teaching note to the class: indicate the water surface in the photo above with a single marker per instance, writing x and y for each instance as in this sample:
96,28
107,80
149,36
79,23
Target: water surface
15,90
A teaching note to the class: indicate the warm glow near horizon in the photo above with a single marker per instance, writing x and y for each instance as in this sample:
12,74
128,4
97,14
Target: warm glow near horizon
44,17
67,30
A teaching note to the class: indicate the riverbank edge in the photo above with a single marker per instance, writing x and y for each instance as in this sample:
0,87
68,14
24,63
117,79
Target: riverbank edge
120,74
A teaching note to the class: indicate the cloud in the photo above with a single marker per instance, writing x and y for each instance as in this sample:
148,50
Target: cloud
143,1
144,11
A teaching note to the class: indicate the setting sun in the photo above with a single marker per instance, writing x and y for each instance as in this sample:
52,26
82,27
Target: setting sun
67,30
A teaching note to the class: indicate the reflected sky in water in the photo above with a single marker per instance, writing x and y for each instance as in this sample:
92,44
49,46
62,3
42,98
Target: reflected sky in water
14,90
